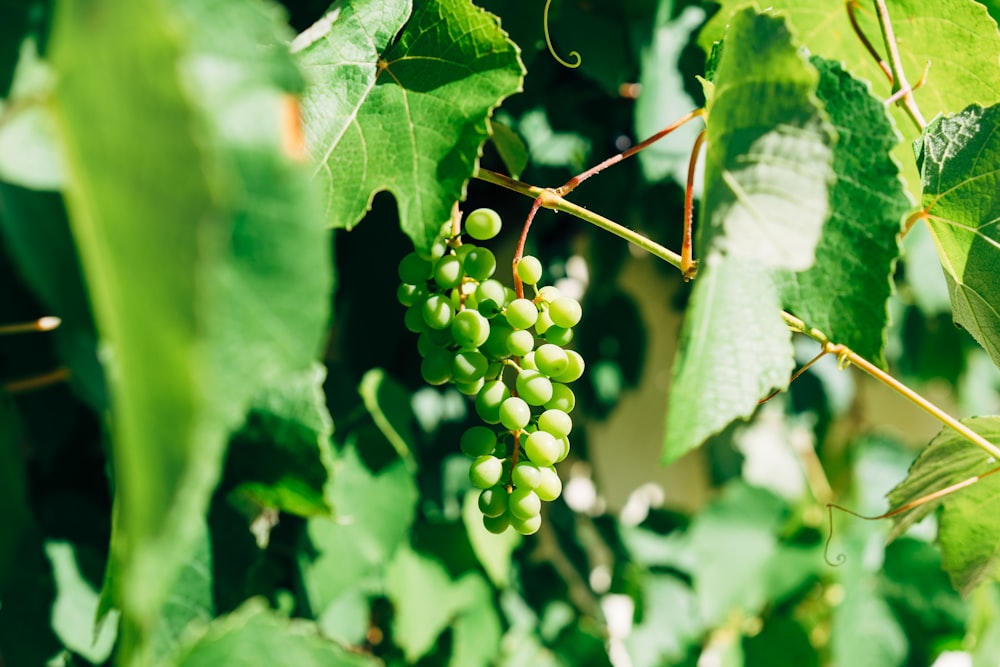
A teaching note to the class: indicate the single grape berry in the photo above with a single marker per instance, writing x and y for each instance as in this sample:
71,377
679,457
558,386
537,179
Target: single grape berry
514,413
520,343
527,526
448,271
436,368
486,471
497,524
493,501
574,368
565,312
529,270
526,475
524,503
521,313
556,422
438,312
490,399
479,263
550,359
542,448
469,366
563,398
478,441
549,486
483,224
470,329
414,269
533,387
559,336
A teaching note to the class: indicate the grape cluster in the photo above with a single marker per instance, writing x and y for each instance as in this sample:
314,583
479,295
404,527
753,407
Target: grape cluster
506,351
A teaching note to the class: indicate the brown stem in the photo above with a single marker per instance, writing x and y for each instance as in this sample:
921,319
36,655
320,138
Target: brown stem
899,82
852,7
519,251
47,323
795,376
688,265
37,381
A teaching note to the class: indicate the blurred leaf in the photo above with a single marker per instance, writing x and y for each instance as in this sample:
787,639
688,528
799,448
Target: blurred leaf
205,259
493,551
389,405
956,36
408,115
254,635
845,294
782,643
373,514
768,167
669,624
865,633
958,158
281,457
75,608
918,589
511,148
734,349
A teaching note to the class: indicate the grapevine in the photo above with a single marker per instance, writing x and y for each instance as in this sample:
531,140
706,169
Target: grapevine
508,352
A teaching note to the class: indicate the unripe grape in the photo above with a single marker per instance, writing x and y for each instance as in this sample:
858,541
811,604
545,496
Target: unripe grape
448,271
521,313
524,503
542,448
550,359
533,387
478,441
470,329
410,294
414,318
558,335
483,224
556,422
527,526
479,263
438,312
549,486
436,368
485,471
514,413
563,398
543,323
529,270
470,388
493,501
574,368
469,366
528,361
497,524
564,449
491,292
526,475
520,342
549,293
414,269
489,400
565,312
495,346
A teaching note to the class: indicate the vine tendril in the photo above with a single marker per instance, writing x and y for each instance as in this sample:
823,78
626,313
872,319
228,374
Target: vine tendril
577,59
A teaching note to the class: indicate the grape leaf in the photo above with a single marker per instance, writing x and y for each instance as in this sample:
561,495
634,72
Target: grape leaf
408,115
734,348
957,37
845,294
767,166
959,158
255,635
968,523
201,247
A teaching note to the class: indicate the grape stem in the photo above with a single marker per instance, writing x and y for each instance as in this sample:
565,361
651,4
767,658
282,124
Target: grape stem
852,8
899,84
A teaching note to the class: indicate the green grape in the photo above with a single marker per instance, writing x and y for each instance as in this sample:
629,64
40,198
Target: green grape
524,503
542,448
448,271
414,318
556,422
426,344
565,312
564,445
470,388
493,501
574,368
494,370
469,366
500,451
489,400
495,346
491,297
436,368
549,486
521,313
549,293
533,387
480,263
478,441
485,471
563,398
520,342
514,413
497,524
526,475
528,361
438,312
463,250
483,224
550,359
559,335
544,322
414,269
528,526
470,329
410,294
529,270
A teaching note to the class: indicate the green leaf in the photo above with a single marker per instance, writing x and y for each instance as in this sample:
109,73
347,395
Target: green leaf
734,349
668,625
845,294
201,247
281,457
510,147
409,115
75,606
959,158
493,551
865,631
767,166
373,515
957,37
389,405
254,635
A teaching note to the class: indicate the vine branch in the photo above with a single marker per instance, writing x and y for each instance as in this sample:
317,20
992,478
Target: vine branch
899,84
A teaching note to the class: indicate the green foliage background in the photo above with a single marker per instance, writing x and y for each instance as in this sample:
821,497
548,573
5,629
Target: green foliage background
225,453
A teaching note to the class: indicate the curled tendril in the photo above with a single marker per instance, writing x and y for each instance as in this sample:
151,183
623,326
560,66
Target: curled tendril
575,55
841,558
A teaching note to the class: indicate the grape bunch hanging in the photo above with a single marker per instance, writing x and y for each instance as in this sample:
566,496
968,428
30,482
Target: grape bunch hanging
508,351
